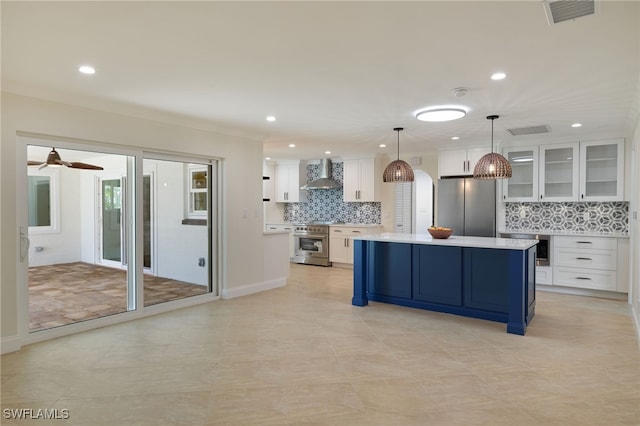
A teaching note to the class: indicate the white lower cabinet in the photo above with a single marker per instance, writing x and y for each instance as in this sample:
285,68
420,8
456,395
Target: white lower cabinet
586,278
341,241
590,262
544,275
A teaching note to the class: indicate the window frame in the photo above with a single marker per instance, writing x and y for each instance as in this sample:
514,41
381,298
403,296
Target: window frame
54,199
191,213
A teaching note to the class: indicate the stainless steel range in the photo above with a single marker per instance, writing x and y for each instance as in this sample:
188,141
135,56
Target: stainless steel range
311,244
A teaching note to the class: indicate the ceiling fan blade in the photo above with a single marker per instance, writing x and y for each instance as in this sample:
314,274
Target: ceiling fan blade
43,166
79,165
34,163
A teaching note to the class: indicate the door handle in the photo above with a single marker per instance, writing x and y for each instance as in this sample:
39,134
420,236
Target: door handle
24,243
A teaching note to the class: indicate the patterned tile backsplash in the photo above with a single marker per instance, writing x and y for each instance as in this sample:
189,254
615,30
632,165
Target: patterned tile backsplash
602,217
327,205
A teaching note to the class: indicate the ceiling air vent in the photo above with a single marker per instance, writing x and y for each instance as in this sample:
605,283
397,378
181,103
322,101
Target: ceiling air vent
531,130
567,10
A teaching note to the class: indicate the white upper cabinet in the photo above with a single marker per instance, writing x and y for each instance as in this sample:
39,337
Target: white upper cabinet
523,184
602,170
559,172
459,162
584,171
362,180
289,178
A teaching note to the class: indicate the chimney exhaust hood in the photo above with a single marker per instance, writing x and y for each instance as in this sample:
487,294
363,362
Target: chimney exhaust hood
324,181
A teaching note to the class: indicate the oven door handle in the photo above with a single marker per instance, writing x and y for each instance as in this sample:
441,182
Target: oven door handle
311,235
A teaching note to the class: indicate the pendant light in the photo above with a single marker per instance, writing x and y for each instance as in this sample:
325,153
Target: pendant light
398,170
492,165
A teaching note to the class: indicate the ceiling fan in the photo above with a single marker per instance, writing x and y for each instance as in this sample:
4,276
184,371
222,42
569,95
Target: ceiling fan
53,159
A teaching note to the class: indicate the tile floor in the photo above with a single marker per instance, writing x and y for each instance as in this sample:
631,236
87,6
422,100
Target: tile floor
71,292
302,355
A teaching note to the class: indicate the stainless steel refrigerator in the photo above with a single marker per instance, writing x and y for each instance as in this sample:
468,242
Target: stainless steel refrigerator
468,206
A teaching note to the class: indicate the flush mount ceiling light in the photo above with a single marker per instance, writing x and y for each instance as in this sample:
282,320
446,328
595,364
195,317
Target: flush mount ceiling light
492,165
87,69
398,170
271,118
440,114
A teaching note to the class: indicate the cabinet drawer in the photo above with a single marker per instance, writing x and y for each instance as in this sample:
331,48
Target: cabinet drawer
592,279
602,243
592,259
347,231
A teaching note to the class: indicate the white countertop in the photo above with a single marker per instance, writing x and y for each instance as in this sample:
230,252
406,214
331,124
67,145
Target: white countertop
567,233
454,240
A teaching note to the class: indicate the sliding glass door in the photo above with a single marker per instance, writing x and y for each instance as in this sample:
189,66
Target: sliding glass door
84,222
76,254
180,223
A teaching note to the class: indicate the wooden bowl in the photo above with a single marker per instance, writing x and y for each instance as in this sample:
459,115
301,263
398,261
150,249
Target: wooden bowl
440,234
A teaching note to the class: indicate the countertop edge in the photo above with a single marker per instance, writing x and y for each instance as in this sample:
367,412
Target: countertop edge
455,241
565,233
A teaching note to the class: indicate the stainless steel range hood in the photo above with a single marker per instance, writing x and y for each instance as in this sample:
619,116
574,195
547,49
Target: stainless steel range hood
324,181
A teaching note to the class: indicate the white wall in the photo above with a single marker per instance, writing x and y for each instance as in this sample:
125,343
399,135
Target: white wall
634,225
63,245
242,175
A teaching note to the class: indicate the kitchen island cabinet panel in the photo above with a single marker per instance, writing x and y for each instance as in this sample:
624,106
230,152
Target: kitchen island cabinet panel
437,274
485,287
392,270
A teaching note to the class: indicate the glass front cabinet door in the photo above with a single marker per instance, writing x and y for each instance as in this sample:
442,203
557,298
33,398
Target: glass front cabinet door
559,172
602,170
523,184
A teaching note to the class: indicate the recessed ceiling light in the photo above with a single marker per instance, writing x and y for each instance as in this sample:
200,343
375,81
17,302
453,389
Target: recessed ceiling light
382,145
292,145
87,69
441,113
271,118
455,138
327,152
576,125
267,158
498,76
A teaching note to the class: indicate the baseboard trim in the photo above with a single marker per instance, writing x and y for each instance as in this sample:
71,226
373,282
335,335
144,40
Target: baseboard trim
230,293
582,292
10,344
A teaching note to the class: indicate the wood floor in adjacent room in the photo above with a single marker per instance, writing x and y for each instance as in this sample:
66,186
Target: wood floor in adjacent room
303,355
71,292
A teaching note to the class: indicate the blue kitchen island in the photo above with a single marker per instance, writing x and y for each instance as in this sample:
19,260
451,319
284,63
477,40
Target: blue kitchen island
479,277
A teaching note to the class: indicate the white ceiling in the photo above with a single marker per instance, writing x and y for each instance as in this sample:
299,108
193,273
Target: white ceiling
338,76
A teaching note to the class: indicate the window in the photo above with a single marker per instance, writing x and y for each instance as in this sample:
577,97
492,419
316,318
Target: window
42,194
198,188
